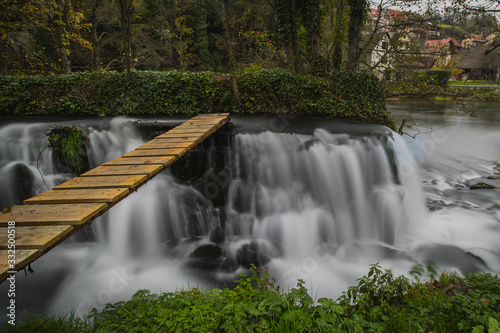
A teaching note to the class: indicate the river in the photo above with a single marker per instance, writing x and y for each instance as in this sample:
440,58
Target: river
315,199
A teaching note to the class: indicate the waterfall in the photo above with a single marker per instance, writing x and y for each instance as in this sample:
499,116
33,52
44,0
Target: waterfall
26,159
317,206
298,190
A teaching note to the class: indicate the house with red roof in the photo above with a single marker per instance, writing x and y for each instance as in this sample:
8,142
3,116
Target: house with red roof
444,45
441,51
391,35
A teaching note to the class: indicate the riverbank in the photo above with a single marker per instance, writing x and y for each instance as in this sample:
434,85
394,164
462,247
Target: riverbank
471,92
276,91
381,302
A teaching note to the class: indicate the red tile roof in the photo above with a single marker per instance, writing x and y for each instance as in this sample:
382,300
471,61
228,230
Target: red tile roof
397,15
438,44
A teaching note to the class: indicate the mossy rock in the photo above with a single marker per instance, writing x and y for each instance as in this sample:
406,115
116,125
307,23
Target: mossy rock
70,147
481,186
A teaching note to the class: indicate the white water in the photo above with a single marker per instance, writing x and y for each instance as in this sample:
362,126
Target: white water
322,206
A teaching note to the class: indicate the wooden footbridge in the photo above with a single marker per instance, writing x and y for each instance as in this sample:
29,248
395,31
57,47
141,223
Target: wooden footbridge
51,217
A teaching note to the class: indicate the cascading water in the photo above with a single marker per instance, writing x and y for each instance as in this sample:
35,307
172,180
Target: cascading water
314,202
25,159
300,190
315,206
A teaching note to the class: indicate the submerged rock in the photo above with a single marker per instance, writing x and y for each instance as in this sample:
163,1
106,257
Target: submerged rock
217,235
208,256
249,254
448,256
208,251
23,179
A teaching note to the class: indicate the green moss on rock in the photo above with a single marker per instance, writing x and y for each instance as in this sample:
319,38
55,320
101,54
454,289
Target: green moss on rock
70,147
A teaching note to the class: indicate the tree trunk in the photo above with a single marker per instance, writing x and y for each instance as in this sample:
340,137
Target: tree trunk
295,47
65,66
315,34
357,15
202,35
232,59
294,37
125,14
289,54
95,39
63,37
338,37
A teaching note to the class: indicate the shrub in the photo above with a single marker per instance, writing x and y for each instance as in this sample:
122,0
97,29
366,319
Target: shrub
176,92
438,77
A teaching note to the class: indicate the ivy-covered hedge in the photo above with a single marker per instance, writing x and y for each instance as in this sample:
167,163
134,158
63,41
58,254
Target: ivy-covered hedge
355,96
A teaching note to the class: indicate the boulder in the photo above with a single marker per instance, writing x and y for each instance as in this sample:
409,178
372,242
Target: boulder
249,254
22,179
208,257
217,235
208,251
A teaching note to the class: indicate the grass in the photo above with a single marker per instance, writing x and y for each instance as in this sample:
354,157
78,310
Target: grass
380,302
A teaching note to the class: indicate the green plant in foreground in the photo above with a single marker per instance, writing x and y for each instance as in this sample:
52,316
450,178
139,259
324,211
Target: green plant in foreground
492,327
380,302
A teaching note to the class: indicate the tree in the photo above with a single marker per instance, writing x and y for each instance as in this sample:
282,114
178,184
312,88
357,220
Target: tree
126,9
357,15
13,17
287,16
184,30
39,36
485,6
338,24
60,12
311,17
232,60
93,7
200,34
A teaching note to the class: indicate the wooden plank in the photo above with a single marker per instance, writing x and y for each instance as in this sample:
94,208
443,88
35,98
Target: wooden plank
68,214
106,195
210,115
207,120
131,182
167,144
174,139
195,126
199,122
42,237
155,152
187,136
23,258
162,160
115,170
200,132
